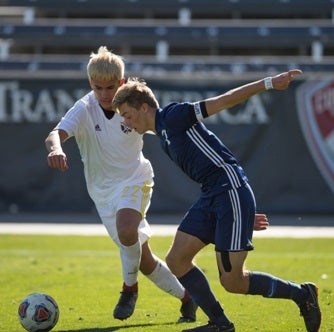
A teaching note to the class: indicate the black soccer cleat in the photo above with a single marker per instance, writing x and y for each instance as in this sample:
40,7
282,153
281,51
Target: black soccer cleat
310,308
126,305
211,327
188,312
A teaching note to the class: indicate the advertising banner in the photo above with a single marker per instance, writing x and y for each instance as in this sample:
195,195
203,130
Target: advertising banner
283,139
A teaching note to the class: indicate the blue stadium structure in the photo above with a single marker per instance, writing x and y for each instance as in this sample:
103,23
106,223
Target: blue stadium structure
175,36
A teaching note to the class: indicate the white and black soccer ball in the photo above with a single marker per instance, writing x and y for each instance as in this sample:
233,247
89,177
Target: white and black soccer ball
38,312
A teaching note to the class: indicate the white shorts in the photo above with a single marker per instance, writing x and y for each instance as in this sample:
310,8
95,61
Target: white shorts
136,196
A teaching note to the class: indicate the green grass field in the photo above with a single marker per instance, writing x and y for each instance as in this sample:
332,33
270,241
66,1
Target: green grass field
83,274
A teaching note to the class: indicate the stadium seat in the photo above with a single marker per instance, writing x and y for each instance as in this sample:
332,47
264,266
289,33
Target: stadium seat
34,33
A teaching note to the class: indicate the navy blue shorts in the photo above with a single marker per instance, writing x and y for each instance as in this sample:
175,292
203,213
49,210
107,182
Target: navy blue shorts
226,219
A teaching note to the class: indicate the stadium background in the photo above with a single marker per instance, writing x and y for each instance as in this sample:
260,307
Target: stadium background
186,50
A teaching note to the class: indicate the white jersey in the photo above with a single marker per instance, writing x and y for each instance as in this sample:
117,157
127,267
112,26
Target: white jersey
111,153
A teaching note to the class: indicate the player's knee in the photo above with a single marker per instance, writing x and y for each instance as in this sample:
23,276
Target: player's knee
127,236
233,284
172,262
229,286
169,261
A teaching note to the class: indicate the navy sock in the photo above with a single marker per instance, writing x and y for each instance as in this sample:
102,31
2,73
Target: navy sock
198,287
269,286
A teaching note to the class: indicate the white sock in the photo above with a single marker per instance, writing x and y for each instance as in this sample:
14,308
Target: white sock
130,258
165,280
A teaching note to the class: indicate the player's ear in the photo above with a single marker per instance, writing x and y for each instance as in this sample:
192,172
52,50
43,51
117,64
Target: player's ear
144,107
121,81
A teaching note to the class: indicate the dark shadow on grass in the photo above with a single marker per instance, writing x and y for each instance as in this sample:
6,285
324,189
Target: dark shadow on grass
114,328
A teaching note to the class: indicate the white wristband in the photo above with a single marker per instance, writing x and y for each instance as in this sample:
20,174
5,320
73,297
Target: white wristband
268,83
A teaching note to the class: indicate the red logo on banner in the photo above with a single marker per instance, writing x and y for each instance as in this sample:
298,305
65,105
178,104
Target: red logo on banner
316,115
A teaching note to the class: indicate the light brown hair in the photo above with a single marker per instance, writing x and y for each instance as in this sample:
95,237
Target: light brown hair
134,92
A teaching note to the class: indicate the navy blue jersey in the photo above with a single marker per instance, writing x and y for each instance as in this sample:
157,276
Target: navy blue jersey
196,150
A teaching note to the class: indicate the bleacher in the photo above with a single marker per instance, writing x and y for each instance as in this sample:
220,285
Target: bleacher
165,37
170,9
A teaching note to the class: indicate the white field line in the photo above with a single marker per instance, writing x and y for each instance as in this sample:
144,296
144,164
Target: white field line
159,230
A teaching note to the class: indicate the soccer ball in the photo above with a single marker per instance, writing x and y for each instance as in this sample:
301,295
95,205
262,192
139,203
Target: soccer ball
38,312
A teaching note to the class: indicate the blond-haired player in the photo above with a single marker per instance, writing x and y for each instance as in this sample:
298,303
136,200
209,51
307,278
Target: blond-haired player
119,180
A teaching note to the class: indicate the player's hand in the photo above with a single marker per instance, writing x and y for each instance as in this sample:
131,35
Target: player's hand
57,159
260,222
282,81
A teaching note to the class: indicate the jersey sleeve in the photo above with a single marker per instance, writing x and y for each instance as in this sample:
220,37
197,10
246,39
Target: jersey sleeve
182,116
72,120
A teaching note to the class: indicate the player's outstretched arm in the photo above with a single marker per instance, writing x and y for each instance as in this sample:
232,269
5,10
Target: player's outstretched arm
260,222
56,157
238,95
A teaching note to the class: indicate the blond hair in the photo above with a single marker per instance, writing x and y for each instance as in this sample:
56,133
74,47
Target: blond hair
134,92
105,65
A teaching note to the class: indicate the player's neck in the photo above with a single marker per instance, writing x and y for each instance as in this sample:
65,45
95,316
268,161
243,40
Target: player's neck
151,120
